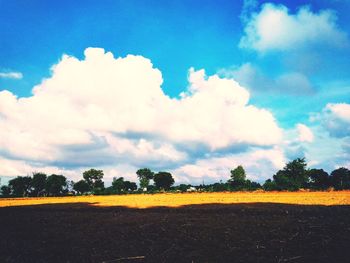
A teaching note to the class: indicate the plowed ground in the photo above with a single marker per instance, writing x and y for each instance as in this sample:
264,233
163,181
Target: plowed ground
213,232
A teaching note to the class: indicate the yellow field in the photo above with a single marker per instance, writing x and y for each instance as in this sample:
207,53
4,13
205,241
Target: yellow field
175,200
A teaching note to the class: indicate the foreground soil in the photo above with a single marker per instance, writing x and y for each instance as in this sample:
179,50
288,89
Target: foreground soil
236,232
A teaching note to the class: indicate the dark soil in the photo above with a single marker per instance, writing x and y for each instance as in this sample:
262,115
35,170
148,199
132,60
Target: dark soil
198,233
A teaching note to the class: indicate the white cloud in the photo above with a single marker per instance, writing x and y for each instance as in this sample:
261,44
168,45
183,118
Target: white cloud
340,110
260,164
10,168
248,7
294,82
335,117
305,133
274,28
249,75
326,145
103,111
11,75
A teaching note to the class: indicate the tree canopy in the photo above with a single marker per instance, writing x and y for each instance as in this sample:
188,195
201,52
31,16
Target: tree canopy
38,184
93,178
56,185
20,186
340,178
163,180
81,187
238,178
144,175
120,185
319,179
293,176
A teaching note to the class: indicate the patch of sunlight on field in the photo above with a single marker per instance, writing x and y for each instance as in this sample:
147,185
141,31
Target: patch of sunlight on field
180,199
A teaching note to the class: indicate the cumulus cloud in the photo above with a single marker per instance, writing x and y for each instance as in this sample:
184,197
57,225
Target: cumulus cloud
326,143
10,168
335,117
345,154
259,164
250,76
305,133
275,28
104,111
11,75
248,7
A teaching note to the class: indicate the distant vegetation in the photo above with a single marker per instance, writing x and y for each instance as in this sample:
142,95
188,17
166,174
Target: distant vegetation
294,176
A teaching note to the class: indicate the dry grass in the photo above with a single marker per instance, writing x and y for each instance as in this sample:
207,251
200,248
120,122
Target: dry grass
175,200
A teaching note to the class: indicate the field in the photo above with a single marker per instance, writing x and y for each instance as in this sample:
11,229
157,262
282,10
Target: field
190,227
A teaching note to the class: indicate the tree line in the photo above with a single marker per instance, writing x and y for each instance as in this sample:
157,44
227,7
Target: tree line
40,184
294,176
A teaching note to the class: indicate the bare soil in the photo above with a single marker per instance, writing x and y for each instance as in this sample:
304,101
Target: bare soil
197,233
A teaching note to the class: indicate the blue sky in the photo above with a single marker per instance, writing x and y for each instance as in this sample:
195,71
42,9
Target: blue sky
296,67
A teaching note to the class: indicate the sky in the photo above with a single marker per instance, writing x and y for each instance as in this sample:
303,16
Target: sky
195,88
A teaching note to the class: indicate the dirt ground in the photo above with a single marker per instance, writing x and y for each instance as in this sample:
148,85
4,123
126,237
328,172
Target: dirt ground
254,232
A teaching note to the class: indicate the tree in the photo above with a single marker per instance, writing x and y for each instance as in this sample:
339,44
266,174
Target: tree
93,178
20,186
5,191
118,184
282,181
293,176
163,180
183,187
340,178
238,178
56,185
238,174
144,175
319,179
219,187
70,187
81,187
270,185
252,186
38,183
130,186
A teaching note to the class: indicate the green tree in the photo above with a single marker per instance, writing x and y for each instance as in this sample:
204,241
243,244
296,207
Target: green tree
238,174
219,187
319,179
38,184
20,186
293,176
183,187
282,181
163,180
238,178
118,184
5,191
252,186
56,185
93,178
144,175
81,187
270,185
130,186
340,178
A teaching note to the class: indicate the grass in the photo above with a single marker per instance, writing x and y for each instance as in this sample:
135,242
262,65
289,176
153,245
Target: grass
181,199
